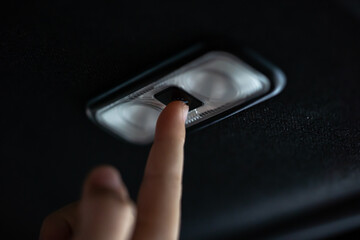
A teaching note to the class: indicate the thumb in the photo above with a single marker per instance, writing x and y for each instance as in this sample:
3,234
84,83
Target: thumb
106,211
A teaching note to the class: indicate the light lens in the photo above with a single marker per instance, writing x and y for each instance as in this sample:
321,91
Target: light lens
133,121
218,79
212,85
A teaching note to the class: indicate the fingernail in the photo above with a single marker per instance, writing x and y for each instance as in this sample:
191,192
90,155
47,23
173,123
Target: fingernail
185,112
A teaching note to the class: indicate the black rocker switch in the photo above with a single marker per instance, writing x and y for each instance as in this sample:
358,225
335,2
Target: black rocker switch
176,94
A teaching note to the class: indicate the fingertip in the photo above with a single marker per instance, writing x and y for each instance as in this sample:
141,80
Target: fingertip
171,122
106,210
105,177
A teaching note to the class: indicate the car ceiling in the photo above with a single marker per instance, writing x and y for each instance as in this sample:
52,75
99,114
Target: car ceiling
279,161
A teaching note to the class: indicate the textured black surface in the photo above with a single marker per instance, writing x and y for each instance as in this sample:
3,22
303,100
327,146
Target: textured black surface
289,160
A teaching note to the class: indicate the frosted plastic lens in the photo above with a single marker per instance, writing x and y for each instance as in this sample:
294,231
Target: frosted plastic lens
138,116
212,85
133,121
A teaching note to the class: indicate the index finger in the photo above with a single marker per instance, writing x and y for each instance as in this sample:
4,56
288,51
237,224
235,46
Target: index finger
160,192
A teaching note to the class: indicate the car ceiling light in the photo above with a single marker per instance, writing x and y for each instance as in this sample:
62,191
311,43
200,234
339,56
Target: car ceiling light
212,83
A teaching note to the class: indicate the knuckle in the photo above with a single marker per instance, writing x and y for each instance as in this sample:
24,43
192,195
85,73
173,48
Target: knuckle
50,219
170,140
53,225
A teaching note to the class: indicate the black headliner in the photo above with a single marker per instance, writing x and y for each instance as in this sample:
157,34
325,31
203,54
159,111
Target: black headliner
294,158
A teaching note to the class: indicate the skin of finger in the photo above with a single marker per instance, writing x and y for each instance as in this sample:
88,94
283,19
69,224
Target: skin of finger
105,213
60,224
160,193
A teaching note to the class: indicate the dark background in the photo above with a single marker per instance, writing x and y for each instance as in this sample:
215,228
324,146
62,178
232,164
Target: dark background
288,166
